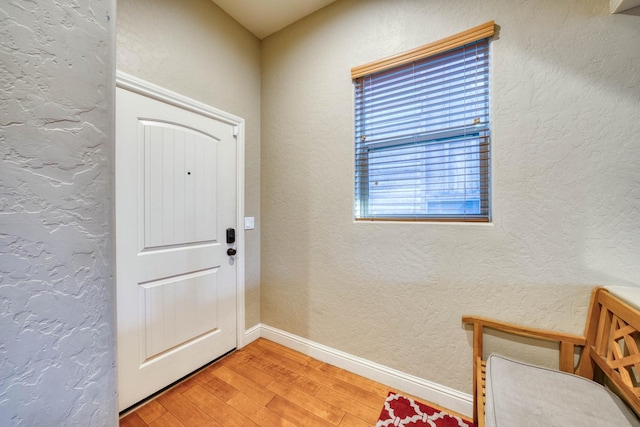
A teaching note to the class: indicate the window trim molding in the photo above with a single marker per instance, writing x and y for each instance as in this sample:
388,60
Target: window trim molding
469,36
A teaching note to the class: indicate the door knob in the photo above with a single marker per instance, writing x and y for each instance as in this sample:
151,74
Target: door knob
231,252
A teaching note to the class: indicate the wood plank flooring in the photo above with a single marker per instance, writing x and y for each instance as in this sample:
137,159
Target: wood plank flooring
265,384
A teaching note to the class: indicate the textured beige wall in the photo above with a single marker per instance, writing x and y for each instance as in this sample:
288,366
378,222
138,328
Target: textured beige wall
566,188
194,48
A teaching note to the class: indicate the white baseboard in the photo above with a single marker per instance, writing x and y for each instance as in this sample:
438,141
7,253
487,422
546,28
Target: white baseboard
252,334
427,390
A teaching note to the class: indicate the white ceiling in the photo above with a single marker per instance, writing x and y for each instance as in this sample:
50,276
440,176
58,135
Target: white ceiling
265,17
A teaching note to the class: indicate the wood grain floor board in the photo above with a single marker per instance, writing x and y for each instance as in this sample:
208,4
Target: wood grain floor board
349,406
356,393
223,390
357,380
257,413
296,414
267,385
353,421
245,385
151,411
166,420
185,411
132,420
285,351
308,402
292,365
217,409
285,375
245,369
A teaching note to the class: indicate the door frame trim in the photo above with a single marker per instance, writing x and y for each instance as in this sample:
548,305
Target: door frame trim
150,90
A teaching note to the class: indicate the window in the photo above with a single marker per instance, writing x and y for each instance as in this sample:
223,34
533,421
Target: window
422,149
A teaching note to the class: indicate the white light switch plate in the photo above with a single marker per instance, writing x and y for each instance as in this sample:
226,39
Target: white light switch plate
249,223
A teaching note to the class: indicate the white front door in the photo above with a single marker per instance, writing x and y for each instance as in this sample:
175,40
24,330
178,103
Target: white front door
176,284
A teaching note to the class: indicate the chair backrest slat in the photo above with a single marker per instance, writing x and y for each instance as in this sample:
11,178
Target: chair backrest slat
614,348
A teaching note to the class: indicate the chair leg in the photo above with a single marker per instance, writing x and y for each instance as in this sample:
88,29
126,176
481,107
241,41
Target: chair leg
480,397
478,331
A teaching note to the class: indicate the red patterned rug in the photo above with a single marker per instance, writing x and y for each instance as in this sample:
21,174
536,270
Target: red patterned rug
400,411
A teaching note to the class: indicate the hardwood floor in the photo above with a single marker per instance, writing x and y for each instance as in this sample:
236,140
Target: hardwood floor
265,384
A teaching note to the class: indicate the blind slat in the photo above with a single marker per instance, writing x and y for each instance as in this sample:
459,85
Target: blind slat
408,125
374,92
387,82
476,58
422,99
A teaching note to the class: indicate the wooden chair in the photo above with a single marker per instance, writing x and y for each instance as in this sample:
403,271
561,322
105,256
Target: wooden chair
609,344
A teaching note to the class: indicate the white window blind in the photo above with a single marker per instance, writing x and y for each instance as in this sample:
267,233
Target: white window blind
422,149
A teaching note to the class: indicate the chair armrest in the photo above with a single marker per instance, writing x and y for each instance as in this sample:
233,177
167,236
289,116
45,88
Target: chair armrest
525,331
567,341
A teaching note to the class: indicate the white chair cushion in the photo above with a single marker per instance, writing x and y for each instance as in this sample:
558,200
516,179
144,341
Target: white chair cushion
519,394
